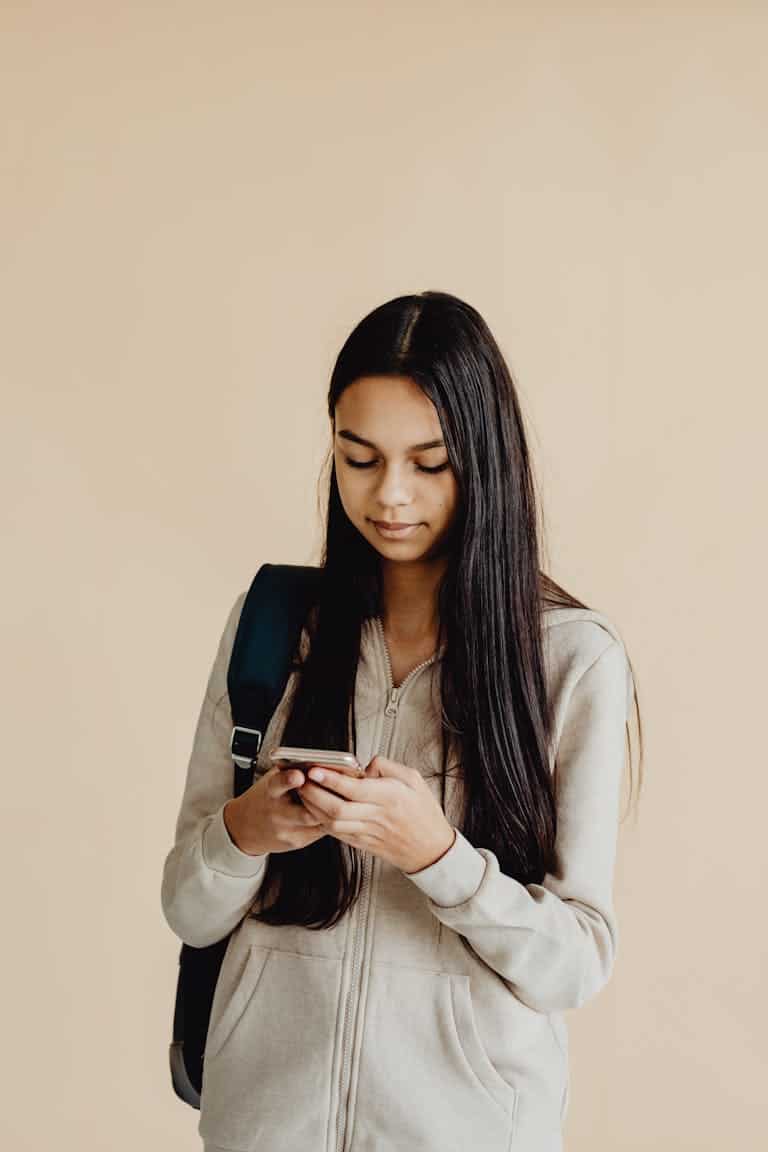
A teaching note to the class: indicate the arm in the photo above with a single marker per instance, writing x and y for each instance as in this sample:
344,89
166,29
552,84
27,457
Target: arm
208,882
553,943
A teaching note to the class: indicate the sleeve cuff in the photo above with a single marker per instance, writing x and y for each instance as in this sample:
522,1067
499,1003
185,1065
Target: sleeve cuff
455,877
222,854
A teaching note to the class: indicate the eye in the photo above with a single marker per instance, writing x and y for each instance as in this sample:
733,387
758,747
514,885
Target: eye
420,467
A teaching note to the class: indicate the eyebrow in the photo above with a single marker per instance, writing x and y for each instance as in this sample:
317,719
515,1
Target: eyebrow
345,434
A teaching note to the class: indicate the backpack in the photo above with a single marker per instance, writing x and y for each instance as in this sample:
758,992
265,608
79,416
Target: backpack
268,632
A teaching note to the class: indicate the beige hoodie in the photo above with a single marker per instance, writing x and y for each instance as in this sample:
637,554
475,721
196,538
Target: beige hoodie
430,1018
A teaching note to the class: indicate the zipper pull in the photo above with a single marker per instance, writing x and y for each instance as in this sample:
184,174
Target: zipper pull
391,708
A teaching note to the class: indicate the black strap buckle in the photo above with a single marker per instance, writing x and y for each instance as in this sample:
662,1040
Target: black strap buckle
244,746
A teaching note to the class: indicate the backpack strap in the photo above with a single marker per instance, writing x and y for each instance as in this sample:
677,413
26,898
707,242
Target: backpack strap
272,617
273,613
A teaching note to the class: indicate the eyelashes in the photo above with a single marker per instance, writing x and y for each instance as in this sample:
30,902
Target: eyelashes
420,467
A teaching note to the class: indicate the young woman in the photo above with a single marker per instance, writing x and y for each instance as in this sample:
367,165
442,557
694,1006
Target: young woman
404,945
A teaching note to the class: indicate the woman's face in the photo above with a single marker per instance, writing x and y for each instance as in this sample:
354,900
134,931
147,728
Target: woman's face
384,471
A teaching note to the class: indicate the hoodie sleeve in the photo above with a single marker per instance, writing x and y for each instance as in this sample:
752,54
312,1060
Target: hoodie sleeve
208,883
553,943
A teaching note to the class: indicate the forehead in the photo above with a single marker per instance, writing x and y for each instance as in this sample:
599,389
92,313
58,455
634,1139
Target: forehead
389,410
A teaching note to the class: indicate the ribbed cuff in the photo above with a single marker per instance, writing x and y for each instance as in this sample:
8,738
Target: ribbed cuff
455,877
222,854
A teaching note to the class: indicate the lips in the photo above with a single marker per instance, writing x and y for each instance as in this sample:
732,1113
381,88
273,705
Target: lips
398,531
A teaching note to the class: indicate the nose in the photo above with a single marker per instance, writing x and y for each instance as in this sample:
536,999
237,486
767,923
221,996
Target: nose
393,490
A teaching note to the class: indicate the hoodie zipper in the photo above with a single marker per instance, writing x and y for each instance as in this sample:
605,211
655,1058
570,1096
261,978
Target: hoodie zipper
394,696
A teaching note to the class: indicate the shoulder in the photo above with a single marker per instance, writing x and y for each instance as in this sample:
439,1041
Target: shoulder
229,635
582,634
578,641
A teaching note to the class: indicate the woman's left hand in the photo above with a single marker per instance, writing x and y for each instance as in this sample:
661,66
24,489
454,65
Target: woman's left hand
391,812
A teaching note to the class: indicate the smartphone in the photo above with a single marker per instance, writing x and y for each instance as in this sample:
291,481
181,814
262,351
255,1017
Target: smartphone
344,762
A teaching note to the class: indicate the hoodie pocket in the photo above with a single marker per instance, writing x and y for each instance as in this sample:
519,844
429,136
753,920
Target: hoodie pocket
425,1080
268,1056
222,1023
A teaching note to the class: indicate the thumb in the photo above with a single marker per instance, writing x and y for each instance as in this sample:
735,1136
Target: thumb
284,779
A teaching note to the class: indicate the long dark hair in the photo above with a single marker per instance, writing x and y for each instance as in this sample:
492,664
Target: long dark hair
496,709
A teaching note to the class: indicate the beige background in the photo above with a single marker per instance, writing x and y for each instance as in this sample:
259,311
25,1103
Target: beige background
199,201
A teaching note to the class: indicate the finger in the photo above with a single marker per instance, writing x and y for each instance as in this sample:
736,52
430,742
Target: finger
321,799
309,820
286,779
331,810
356,833
350,787
314,814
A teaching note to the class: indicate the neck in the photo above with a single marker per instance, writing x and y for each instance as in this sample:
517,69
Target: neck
410,600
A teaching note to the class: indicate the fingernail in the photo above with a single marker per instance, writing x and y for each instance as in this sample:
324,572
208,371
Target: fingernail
316,774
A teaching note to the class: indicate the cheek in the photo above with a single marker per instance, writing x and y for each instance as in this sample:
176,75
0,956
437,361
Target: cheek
350,493
450,504
449,495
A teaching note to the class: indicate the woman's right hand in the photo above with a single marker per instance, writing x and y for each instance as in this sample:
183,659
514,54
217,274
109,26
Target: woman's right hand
265,818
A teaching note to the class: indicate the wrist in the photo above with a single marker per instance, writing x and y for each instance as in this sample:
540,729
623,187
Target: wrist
233,824
437,852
